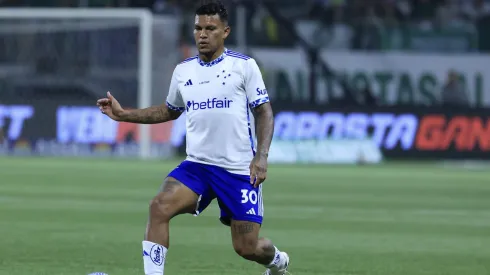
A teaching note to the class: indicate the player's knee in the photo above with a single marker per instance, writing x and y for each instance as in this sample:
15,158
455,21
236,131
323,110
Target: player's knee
161,208
246,250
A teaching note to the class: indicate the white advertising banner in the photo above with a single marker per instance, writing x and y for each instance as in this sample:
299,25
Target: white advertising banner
325,152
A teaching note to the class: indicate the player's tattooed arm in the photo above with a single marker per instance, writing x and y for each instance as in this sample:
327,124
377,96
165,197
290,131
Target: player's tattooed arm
150,115
264,127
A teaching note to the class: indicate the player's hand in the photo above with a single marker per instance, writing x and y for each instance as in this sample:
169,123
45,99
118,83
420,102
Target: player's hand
110,107
258,169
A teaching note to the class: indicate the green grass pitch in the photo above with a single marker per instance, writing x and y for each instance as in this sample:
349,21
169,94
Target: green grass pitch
75,216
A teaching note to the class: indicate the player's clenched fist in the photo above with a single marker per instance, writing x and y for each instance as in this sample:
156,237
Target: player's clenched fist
111,107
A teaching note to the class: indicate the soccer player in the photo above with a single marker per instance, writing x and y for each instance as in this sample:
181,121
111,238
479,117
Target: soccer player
227,147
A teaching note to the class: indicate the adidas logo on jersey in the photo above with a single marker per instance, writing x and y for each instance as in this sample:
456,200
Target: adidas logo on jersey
188,83
251,212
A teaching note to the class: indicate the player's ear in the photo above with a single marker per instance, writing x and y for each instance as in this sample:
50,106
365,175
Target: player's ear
227,31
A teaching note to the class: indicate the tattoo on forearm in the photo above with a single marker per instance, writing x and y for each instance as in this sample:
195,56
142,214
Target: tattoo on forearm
243,228
151,115
264,127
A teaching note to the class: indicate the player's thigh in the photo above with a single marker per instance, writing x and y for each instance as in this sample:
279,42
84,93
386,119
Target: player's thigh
174,198
185,190
242,209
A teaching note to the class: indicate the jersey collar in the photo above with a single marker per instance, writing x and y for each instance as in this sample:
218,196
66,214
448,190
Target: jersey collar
214,62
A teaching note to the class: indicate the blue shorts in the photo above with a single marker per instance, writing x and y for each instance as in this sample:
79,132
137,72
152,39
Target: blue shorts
237,198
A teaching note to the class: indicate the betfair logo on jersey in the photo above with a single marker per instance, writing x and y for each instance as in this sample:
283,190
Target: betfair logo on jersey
213,103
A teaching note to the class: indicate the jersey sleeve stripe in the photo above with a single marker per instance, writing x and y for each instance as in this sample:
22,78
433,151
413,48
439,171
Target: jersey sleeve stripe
175,108
259,102
188,59
238,56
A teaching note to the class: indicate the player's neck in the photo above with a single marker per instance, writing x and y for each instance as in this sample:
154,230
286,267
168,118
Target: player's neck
210,57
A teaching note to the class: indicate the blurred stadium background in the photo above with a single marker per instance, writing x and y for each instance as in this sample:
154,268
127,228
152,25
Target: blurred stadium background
382,135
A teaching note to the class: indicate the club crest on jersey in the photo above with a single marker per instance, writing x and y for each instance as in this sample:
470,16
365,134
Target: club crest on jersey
210,103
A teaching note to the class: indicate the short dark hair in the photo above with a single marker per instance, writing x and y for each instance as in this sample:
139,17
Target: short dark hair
212,8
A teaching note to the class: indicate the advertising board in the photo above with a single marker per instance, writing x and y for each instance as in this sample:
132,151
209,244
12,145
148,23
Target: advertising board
50,128
405,133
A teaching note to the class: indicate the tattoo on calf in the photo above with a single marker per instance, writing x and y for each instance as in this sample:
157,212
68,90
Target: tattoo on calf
244,228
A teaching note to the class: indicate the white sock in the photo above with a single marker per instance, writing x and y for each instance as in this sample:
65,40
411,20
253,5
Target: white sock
278,260
153,258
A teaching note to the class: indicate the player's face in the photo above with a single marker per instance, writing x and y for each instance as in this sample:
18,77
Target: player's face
210,33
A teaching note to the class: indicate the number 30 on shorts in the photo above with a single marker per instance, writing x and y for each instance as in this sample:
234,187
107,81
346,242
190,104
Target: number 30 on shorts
249,196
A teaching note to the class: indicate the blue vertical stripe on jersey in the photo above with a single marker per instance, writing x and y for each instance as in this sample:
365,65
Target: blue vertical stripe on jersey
250,130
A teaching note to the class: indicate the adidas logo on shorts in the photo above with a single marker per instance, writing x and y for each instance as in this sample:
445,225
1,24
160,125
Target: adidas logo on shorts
251,212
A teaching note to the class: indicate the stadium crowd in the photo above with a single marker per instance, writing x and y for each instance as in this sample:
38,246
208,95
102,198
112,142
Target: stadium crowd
339,24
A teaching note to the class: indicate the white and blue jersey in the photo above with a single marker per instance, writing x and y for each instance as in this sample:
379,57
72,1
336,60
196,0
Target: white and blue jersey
217,98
